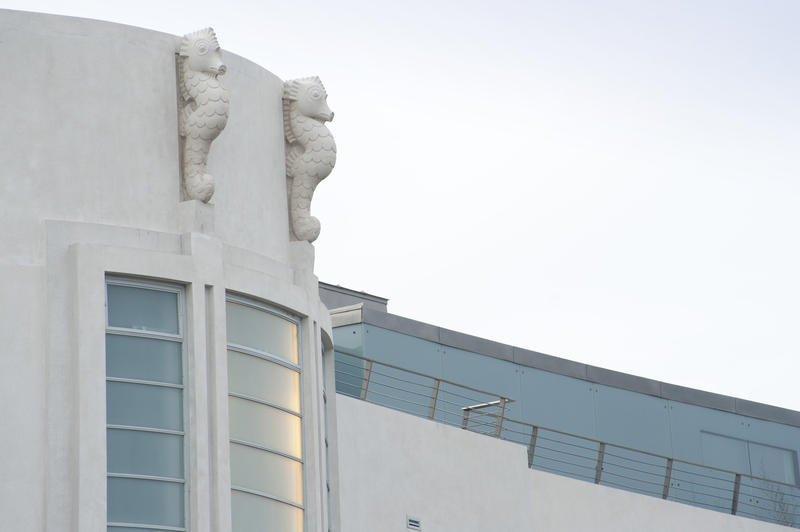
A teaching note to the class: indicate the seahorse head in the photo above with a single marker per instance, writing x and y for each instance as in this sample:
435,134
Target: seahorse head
201,50
310,96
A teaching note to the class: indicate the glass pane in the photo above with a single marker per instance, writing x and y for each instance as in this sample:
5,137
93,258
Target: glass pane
148,359
266,472
145,453
772,463
142,405
265,380
263,331
148,502
142,309
264,425
251,512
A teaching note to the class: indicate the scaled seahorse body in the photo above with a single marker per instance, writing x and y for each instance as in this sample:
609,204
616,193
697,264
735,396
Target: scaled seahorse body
205,108
310,150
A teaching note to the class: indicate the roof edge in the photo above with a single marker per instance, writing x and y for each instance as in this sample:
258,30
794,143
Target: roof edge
353,314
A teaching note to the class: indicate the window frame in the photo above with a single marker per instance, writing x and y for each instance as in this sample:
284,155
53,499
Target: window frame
181,337
252,302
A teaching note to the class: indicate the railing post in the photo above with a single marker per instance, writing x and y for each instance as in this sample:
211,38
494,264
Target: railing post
667,479
736,485
532,445
465,420
365,380
434,396
499,429
601,452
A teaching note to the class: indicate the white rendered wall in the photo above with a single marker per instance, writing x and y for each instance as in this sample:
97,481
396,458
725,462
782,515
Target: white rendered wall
393,465
89,174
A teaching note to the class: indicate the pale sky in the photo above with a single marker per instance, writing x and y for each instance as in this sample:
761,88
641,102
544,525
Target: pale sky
613,182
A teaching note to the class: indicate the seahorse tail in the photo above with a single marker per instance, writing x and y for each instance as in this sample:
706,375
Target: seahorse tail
304,226
199,186
307,228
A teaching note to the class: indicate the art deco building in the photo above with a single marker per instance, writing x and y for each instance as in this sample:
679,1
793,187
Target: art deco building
168,364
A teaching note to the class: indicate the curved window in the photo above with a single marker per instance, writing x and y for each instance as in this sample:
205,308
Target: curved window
144,406
265,418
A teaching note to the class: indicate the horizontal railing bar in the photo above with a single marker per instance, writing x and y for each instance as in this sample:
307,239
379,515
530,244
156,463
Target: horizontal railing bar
782,493
373,392
374,372
593,449
545,457
662,466
693,483
704,475
607,472
640,462
660,475
702,494
421,374
782,512
697,503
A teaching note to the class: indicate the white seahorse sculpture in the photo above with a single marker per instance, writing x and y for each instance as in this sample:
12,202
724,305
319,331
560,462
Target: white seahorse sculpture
205,108
310,150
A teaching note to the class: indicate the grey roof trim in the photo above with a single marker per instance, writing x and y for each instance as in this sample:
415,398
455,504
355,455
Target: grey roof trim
566,367
355,293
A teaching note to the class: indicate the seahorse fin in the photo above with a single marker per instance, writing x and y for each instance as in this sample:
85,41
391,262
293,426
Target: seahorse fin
287,123
292,154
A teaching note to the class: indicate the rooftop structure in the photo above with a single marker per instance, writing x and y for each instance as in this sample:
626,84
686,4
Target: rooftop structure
580,421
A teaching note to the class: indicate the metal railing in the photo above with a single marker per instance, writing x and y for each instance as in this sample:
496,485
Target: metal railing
568,454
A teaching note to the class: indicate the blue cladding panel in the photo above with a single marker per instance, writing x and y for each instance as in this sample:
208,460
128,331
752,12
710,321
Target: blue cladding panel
350,338
404,351
557,402
633,419
484,373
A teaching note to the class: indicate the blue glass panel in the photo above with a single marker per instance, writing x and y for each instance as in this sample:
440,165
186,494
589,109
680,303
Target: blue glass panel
132,357
142,405
145,453
147,502
142,309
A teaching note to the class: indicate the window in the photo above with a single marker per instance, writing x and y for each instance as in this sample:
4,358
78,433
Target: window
265,418
145,406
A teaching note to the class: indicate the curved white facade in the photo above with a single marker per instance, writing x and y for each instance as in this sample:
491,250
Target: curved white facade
91,187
